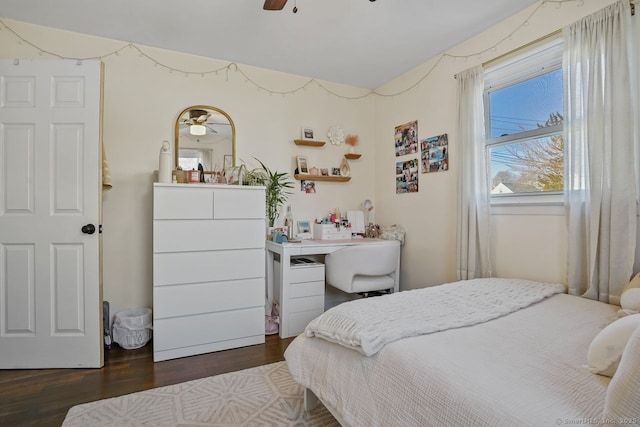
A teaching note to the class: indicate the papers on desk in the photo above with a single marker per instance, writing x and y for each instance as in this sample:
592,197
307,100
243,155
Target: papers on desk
356,219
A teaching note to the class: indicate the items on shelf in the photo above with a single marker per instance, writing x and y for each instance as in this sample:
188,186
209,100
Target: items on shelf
164,170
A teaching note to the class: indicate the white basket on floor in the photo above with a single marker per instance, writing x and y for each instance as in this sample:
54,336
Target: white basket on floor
132,328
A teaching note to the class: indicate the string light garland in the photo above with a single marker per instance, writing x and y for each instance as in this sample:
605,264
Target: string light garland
233,67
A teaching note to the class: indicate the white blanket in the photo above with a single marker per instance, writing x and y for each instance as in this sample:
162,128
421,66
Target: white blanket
360,326
527,369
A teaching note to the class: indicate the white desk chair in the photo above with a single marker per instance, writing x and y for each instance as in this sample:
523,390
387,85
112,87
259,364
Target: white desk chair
362,268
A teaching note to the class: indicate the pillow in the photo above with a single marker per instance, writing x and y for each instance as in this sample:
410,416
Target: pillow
607,347
630,297
622,401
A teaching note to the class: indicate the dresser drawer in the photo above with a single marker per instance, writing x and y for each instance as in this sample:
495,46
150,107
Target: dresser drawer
239,203
207,328
190,235
200,267
299,321
182,300
306,273
306,289
315,302
183,203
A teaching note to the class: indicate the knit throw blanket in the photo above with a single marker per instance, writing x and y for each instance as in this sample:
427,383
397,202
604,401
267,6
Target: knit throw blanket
367,325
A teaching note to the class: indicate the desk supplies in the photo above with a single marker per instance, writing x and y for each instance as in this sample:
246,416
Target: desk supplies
288,223
330,232
280,237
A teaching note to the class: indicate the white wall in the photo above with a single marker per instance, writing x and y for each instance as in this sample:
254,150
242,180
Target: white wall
141,105
523,244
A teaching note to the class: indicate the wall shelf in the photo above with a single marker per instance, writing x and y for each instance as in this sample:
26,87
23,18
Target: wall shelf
352,156
302,177
309,143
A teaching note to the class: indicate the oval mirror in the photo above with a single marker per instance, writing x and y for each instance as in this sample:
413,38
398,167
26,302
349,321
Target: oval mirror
205,135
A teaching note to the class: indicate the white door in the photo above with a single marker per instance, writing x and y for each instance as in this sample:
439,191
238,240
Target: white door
50,296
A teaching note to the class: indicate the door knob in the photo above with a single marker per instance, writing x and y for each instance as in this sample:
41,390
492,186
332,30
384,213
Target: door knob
89,229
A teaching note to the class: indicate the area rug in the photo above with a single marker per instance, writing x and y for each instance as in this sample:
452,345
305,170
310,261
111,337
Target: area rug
262,396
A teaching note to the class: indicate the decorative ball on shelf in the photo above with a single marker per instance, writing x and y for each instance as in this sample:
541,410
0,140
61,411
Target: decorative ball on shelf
336,135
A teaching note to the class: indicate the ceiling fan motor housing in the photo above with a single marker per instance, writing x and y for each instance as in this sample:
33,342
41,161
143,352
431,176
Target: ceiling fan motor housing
195,114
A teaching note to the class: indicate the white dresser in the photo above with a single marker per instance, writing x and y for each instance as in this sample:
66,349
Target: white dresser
208,268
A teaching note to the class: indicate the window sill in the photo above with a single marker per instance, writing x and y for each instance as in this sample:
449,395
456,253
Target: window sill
529,204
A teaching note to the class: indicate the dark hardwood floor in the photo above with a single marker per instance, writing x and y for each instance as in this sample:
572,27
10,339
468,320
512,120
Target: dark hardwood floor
42,397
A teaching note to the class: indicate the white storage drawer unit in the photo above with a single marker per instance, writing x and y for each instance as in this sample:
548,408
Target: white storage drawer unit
208,268
306,294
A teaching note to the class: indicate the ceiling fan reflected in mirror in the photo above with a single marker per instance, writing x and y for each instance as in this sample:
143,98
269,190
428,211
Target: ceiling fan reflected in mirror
279,4
199,121
196,122
274,4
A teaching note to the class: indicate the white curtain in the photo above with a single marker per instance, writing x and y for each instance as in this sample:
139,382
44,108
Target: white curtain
473,187
601,151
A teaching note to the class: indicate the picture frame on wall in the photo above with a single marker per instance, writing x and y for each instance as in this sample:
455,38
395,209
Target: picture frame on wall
407,176
406,138
307,133
308,186
303,165
434,153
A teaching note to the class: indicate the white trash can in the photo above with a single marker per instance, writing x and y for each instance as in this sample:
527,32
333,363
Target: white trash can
132,328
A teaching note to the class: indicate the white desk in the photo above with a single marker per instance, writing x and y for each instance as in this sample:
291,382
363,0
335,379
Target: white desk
307,247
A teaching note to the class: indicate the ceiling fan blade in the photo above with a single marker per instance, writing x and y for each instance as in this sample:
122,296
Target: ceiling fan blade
274,4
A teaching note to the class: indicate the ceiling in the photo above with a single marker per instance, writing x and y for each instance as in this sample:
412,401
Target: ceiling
354,42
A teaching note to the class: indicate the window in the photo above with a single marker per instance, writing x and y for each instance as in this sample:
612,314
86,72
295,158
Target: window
523,118
189,159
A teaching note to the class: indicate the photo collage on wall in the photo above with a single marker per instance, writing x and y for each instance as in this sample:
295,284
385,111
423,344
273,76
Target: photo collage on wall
307,186
406,138
407,176
406,142
434,154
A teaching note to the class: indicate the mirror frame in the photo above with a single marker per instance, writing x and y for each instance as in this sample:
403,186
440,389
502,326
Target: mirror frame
203,107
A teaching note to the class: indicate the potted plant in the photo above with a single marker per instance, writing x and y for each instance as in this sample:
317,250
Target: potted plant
277,185
242,175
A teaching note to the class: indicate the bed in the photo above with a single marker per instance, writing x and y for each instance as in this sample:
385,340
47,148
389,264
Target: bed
525,368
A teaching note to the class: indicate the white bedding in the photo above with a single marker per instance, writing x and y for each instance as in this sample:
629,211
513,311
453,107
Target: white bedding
523,369
360,325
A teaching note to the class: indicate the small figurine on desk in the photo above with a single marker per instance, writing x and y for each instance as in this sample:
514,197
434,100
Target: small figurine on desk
372,231
201,169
